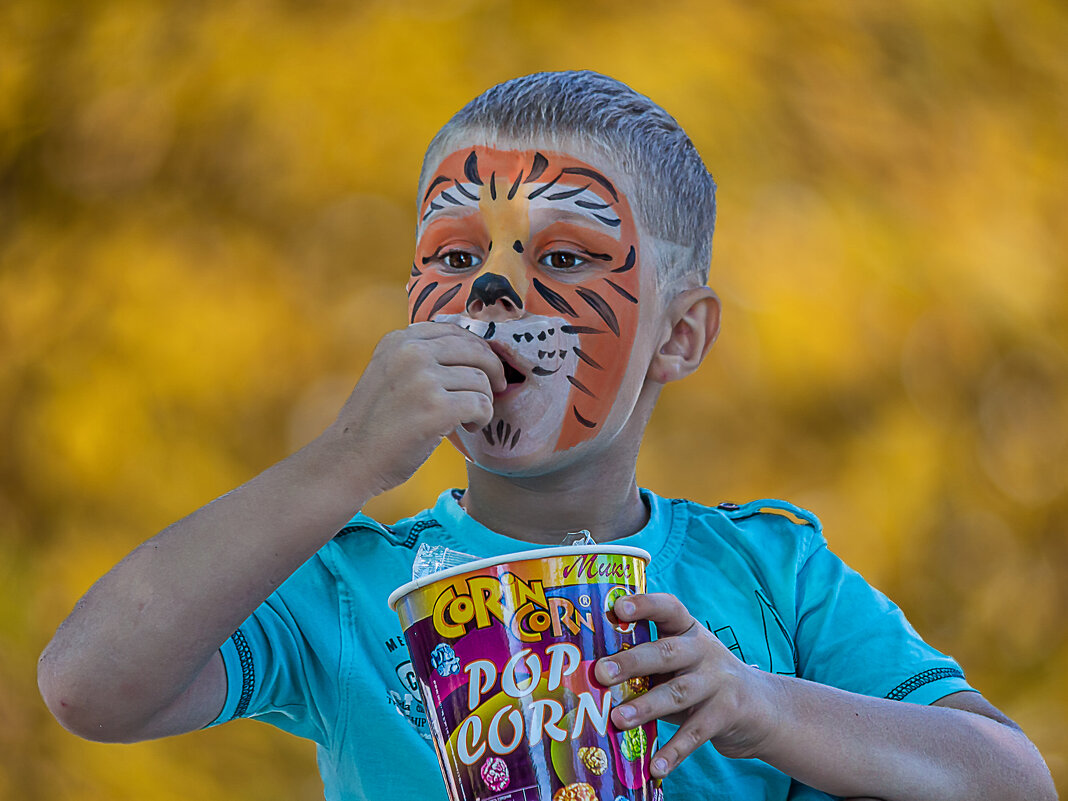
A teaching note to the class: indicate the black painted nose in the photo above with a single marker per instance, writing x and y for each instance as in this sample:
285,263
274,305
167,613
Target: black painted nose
489,289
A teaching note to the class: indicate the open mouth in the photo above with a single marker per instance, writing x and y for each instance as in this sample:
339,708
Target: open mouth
512,375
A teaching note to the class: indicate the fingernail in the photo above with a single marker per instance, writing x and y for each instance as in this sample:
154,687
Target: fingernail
660,765
626,607
626,712
610,669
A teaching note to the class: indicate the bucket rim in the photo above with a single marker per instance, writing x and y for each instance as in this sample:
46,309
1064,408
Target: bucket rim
518,556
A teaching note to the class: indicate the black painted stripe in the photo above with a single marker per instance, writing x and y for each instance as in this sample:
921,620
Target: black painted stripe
581,419
542,188
460,188
568,193
515,186
471,169
443,298
423,296
580,386
440,179
628,263
553,299
587,358
537,168
599,305
621,290
595,176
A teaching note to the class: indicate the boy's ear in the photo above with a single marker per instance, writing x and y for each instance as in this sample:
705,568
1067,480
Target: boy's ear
693,317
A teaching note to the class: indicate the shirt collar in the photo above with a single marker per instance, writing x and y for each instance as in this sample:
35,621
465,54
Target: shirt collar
475,539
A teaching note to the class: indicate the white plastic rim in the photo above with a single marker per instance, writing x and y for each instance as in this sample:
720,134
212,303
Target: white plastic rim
520,556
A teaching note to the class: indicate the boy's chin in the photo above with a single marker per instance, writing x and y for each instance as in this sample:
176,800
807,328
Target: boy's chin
503,461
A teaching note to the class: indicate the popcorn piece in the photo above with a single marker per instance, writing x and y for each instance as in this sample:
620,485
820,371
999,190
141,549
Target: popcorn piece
495,774
579,791
444,660
610,599
595,760
637,685
634,744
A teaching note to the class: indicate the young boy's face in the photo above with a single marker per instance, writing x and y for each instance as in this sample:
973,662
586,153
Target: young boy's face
538,253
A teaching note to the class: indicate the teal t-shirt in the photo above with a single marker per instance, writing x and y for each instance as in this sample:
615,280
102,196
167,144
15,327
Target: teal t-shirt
324,657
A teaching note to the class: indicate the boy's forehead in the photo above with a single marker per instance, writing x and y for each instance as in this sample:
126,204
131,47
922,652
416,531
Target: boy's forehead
571,159
526,179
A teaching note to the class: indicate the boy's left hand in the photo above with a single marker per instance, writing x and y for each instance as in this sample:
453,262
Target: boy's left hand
697,684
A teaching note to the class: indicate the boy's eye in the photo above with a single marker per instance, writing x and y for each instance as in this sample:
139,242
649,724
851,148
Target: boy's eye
562,260
460,260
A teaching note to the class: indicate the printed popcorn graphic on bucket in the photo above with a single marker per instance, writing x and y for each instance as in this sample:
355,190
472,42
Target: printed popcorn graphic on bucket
504,651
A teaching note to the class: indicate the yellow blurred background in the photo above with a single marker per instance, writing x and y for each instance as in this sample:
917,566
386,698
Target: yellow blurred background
206,216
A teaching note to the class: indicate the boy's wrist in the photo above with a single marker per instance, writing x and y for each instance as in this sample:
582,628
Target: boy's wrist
339,469
759,716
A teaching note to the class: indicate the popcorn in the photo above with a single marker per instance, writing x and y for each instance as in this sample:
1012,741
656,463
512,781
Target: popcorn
610,599
578,791
637,685
444,660
595,760
494,773
634,744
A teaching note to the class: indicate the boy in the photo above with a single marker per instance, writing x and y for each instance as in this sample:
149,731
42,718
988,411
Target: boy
563,241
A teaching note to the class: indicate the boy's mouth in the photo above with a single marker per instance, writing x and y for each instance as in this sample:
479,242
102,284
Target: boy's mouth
531,348
512,374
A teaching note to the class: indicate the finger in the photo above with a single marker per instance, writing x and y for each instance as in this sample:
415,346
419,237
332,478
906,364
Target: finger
432,330
664,609
472,410
695,732
471,351
462,378
666,655
662,701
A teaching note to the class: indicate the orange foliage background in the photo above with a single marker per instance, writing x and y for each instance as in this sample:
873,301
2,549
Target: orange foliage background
206,216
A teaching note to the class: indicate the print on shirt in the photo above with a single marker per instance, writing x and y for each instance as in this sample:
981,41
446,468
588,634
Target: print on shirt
404,695
774,630
778,644
727,637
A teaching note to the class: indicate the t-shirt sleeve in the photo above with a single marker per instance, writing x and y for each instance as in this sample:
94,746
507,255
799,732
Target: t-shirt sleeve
851,636
282,662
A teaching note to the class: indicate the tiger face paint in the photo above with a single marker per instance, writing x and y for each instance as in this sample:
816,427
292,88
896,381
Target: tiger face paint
537,253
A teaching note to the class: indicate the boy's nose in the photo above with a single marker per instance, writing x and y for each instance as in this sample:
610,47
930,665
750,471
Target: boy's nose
493,298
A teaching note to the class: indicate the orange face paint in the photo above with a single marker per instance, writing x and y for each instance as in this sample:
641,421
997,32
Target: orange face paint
537,252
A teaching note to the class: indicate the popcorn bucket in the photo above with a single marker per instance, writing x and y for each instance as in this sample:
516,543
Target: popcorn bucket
504,650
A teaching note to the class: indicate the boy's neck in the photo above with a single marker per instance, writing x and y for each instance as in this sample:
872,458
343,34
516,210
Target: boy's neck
545,509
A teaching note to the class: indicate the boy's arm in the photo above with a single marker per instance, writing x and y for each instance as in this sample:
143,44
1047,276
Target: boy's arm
138,656
839,742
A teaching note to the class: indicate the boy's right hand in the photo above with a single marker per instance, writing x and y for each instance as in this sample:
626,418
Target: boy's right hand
422,383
